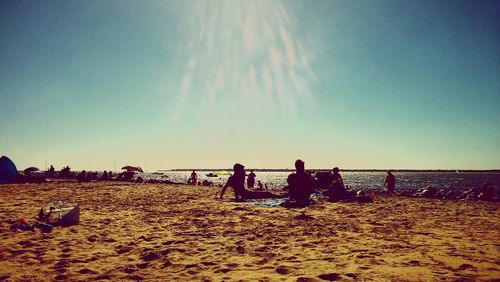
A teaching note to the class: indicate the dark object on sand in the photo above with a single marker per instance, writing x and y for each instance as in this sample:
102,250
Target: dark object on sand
8,170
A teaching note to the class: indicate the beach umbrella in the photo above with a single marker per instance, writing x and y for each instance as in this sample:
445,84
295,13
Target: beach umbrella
129,168
8,170
31,169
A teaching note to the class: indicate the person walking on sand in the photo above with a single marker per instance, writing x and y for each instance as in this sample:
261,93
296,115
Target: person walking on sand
300,185
251,180
390,182
237,182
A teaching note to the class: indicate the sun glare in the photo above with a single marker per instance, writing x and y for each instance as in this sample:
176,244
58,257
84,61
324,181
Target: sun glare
245,50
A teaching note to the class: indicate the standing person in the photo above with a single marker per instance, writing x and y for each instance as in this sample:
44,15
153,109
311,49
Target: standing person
390,182
251,180
237,181
194,178
300,185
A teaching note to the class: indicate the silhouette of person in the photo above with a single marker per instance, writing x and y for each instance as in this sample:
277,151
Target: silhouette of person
237,182
194,178
251,180
300,185
390,182
337,190
52,171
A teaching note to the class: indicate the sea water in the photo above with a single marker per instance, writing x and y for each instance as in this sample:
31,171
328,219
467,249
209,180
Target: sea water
370,181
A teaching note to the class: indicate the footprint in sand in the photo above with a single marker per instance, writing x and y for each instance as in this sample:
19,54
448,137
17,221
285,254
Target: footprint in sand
61,277
283,270
135,277
151,256
86,271
123,249
17,252
240,249
143,265
306,279
465,266
330,276
28,244
223,270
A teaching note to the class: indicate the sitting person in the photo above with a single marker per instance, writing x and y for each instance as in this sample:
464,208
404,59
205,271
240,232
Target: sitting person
300,186
237,182
82,176
337,190
486,192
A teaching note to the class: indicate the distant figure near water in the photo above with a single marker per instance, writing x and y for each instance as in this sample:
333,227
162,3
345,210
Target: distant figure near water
390,181
300,185
51,172
237,182
194,178
251,180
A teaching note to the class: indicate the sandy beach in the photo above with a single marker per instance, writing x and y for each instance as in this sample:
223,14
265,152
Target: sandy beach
183,233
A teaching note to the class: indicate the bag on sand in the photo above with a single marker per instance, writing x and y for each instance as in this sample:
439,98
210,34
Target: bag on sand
60,213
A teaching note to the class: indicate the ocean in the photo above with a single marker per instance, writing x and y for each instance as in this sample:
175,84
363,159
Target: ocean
407,182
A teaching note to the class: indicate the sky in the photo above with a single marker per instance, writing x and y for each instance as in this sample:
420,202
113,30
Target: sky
204,84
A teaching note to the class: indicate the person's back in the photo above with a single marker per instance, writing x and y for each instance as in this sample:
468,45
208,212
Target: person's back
300,184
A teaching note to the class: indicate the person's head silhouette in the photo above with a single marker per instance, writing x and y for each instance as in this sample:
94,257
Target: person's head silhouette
299,165
238,168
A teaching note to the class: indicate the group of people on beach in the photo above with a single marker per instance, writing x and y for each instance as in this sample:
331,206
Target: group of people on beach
301,185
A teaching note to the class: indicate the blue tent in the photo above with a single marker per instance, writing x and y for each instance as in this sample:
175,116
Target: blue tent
8,170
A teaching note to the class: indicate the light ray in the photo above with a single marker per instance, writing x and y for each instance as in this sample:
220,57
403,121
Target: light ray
246,50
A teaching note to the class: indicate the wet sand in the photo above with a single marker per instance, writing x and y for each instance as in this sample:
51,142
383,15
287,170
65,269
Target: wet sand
183,233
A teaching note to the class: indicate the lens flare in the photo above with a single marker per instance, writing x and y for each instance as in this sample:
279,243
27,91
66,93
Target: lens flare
245,50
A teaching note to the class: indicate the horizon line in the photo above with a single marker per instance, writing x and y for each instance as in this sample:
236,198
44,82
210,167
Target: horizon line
329,169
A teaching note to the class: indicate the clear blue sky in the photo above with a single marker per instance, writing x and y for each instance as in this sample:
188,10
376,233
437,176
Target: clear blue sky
169,84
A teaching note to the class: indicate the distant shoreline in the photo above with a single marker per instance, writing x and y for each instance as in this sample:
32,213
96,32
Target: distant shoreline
345,170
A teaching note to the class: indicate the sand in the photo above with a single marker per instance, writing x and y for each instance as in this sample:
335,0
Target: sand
183,233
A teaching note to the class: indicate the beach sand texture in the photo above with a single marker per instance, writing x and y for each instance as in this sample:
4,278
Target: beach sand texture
183,233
